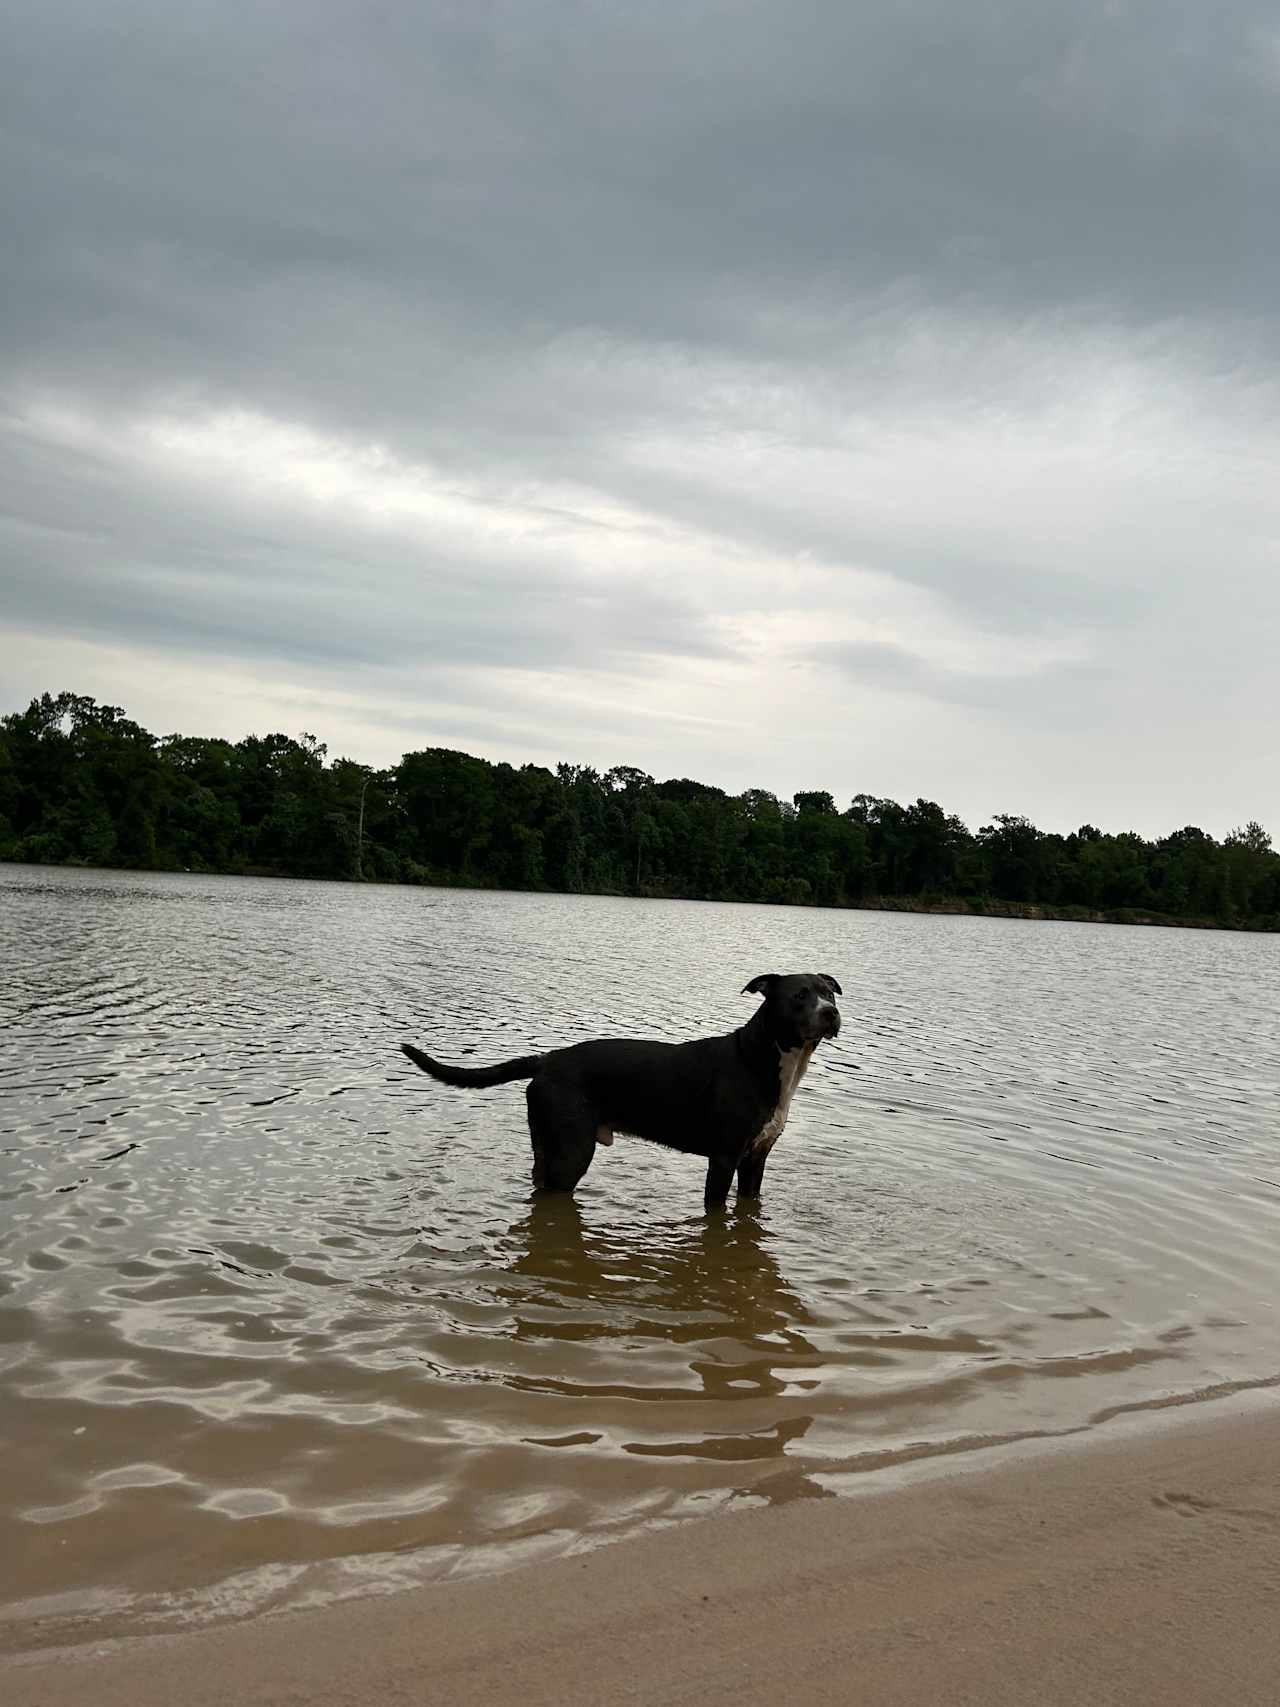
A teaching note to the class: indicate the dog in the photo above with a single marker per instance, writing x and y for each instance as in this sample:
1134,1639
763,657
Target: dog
725,1098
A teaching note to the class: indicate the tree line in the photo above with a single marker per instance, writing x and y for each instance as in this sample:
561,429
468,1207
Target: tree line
82,784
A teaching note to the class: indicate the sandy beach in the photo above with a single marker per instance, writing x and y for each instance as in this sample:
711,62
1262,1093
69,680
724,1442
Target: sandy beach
1141,1566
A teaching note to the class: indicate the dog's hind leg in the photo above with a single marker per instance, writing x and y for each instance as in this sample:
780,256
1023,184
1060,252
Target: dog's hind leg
559,1162
563,1135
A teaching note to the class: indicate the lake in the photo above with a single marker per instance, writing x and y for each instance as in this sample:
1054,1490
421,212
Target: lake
280,1321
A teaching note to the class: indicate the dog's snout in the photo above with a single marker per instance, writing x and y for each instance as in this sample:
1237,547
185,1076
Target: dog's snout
829,1018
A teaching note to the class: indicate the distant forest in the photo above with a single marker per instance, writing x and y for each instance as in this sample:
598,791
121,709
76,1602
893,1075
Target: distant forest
81,784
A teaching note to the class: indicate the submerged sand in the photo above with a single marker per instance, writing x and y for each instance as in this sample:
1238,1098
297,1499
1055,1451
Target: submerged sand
1142,1567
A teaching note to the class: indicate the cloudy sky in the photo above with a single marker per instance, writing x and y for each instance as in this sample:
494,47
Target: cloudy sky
826,394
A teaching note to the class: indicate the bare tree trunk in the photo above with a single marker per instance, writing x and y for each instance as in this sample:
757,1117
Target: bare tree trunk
359,871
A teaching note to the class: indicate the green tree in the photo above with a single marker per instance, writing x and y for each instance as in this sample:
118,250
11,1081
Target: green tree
82,782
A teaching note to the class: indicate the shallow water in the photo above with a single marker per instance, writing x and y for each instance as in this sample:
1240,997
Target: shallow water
279,1319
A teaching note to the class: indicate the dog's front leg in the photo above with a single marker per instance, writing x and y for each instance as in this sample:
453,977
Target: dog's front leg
719,1179
751,1171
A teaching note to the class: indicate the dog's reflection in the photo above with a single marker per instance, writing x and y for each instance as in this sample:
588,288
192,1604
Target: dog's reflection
609,1314
695,1282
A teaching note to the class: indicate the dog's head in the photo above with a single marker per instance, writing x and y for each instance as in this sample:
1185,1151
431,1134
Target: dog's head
799,1007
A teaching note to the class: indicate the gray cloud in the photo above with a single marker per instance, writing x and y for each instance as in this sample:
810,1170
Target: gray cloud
523,360
1063,694
101,544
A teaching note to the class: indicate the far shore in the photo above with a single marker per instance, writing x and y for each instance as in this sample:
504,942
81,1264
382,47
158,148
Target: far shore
1140,1566
977,906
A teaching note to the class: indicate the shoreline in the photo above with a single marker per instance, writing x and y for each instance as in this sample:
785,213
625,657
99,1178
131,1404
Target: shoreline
954,906
1140,1561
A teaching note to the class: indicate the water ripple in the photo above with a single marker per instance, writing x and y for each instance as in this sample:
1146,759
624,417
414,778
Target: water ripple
278,1318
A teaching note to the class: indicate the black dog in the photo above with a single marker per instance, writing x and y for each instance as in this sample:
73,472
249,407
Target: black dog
725,1098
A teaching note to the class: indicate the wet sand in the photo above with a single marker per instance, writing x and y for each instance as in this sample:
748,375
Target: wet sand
1143,1565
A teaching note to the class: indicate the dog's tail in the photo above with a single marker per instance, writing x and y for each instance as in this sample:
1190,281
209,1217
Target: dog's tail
477,1078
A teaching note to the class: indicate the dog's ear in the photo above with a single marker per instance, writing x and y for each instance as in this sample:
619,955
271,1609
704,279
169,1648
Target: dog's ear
826,978
760,986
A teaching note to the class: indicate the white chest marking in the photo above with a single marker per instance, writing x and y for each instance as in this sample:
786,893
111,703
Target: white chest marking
791,1069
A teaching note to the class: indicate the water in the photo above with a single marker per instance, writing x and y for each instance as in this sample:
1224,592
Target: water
280,1321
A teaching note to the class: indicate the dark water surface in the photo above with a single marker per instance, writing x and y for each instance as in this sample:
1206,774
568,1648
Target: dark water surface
279,1319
